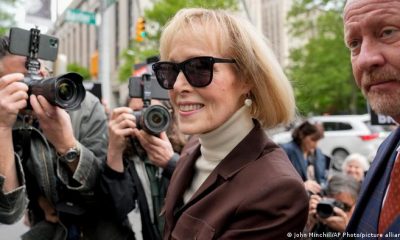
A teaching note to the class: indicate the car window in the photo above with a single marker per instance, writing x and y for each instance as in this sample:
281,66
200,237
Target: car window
336,126
376,128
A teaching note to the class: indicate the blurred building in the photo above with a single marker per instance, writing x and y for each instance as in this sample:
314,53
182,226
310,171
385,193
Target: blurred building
80,42
270,17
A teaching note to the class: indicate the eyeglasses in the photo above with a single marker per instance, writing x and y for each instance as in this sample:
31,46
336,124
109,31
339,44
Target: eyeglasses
198,71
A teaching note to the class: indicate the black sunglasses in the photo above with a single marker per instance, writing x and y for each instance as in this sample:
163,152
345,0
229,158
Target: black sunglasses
198,71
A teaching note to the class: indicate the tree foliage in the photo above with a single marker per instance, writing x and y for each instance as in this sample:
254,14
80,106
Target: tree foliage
6,16
74,67
321,68
156,17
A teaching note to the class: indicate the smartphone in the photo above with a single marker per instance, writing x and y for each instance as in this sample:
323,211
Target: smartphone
136,89
20,44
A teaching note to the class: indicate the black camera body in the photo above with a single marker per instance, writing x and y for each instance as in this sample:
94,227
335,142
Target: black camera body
66,91
154,119
326,205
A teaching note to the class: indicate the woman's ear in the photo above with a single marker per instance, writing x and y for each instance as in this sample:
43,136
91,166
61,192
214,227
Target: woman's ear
247,87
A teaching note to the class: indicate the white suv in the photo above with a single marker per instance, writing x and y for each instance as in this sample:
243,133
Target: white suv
344,134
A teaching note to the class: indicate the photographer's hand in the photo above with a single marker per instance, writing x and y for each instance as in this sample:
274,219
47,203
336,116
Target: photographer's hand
312,186
337,222
121,126
158,149
312,212
55,124
13,98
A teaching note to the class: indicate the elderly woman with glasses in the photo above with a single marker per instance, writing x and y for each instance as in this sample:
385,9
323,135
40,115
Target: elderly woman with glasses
232,181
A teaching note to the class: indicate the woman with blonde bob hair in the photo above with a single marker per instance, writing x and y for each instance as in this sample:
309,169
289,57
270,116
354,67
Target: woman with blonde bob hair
226,86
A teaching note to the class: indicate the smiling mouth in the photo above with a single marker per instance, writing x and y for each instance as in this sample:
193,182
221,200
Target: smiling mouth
190,107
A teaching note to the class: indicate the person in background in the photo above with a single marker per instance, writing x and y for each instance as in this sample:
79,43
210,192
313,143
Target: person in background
225,84
355,165
331,210
306,157
56,166
139,174
372,34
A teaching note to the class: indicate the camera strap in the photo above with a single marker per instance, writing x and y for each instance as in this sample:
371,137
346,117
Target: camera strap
26,132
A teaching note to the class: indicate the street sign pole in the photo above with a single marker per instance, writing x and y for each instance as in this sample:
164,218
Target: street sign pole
104,52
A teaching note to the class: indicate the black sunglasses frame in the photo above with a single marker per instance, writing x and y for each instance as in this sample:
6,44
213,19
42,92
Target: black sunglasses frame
177,67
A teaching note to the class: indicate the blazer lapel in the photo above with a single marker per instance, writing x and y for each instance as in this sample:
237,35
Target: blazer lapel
245,152
183,176
373,178
382,159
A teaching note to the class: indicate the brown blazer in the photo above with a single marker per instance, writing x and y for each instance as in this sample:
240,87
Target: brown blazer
254,193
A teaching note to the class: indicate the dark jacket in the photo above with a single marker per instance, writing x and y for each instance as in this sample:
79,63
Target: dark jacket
42,173
254,193
123,190
366,214
296,156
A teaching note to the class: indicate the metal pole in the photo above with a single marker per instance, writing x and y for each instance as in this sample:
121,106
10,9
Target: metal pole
104,52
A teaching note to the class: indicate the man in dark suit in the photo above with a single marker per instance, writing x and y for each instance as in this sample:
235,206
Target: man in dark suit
372,33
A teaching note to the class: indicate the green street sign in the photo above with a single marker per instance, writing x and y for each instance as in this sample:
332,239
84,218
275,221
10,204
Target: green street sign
76,15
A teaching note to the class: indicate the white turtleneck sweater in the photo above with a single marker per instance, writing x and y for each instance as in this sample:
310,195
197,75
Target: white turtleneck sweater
217,144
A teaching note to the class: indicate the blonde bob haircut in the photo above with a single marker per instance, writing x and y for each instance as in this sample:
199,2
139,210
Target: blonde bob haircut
235,37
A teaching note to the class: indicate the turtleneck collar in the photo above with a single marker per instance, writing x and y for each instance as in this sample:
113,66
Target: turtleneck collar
215,145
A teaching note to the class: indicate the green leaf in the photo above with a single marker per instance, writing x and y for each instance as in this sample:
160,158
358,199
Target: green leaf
320,68
74,67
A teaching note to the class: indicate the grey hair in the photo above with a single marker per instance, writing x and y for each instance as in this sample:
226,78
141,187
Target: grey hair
358,158
340,183
4,46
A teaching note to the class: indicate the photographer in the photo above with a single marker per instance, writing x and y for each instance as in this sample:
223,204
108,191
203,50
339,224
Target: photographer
331,212
306,157
49,155
139,173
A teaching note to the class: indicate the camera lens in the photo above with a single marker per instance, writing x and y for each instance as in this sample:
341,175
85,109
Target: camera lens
66,89
325,207
156,119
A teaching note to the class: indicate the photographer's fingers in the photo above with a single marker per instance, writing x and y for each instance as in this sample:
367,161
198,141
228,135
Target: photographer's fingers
125,116
21,104
336,222
125,132
49,110
10,78
18,95
12,93
159,149
13,97
14,102
314,200
339,212
312,186
37,108
126,124
163,136
14,87
116,112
